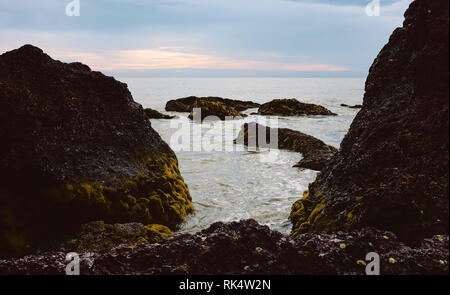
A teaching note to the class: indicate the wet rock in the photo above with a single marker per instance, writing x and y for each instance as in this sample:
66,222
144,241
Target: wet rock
292,107
356,106
392,168
315,152
212,109
186,104
246,247
77,148
99,237
153,114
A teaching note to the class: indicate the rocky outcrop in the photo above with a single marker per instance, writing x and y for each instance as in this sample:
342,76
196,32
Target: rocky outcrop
246,247
315,152
153,114
213,110
356,106
99,237
292,107
186,104
392,168
77,148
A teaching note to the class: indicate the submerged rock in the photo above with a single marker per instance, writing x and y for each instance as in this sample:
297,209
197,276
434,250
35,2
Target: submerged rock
315,152
153,114
356,106
77,148
392,168
246,247
99,237
214,109
186,104
292,107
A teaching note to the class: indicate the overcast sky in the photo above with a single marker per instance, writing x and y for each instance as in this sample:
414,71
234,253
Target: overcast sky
206,37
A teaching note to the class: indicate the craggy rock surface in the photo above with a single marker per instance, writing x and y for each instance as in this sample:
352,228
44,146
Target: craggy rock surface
392,168
212,108
99,237
153,114
76,148
292,107
246,247
315,152
186,104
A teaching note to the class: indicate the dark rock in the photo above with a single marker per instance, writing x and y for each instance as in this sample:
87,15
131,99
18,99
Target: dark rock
153,114
99,237
315,152
213,109
246,247
77,148
292,107
356,106
186,104
392,168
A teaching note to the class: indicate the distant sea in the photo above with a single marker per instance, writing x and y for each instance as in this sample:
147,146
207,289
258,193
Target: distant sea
229,186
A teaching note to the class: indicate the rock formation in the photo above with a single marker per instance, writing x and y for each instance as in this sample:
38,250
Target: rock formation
212,109
246,247
356,106
315,152
186,104
77,148
392,168
153,114
292,107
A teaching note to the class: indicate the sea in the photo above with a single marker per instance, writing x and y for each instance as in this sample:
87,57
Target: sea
229,182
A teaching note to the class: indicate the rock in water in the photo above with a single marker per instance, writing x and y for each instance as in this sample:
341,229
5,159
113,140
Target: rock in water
187,103
153,114
211,108
392,168
315,152
76,148
292,107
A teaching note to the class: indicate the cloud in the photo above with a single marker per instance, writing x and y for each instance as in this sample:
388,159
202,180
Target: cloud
347,2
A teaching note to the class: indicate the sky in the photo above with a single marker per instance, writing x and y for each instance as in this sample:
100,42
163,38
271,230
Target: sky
300,38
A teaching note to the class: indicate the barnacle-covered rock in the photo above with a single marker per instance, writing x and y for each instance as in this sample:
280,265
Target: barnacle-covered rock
292,107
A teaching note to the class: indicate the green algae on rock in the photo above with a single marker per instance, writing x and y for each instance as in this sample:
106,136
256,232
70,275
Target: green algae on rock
391,171
186,104
213,109
77,148
315,152
153,114
292,107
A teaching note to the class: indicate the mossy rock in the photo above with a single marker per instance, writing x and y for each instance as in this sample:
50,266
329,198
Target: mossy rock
210,109
153,114
292,107
77,148
186,104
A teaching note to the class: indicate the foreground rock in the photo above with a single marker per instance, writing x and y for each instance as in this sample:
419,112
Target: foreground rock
248,248
99,237
392,168
77,148
213,110
315,152
153,114
186,104
292,107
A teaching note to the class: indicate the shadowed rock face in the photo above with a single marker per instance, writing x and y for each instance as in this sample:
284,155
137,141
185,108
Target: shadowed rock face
186,104
246,247
75,148
392,168
292,107
315,152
